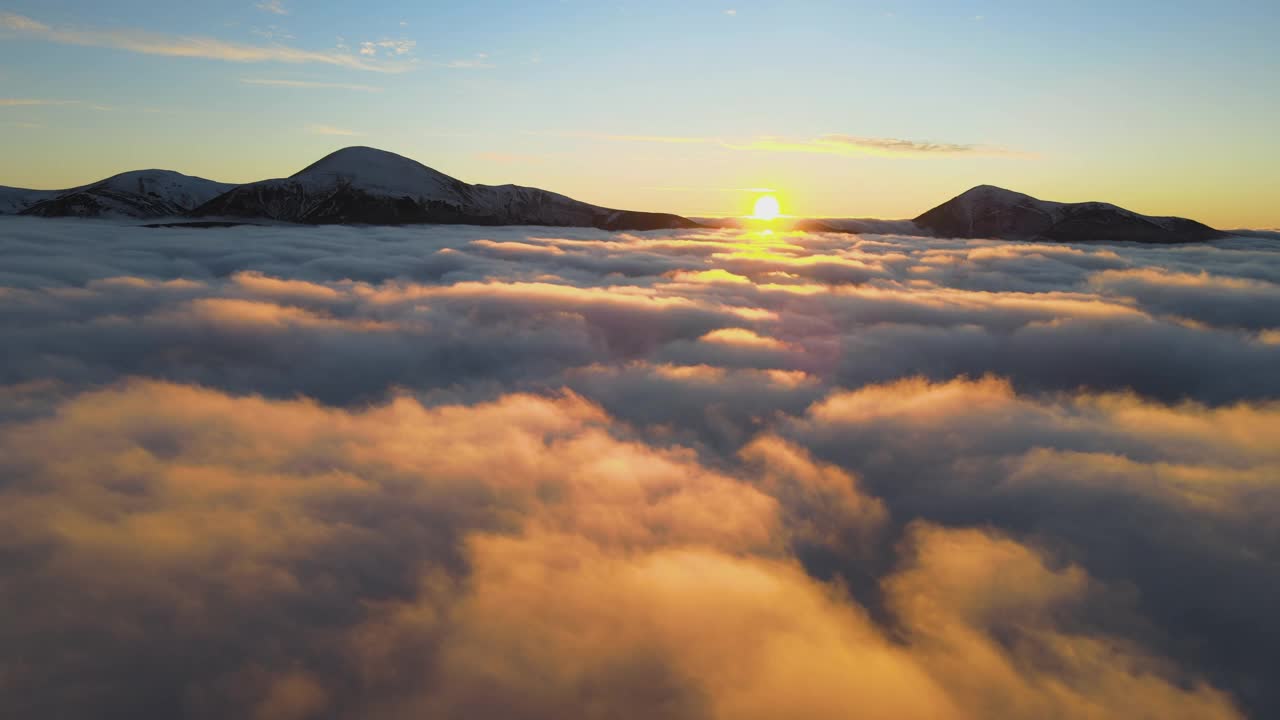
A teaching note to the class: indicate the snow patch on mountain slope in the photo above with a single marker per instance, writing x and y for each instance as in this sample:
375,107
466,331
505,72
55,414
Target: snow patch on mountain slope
136,194
378,172
185,191
381,173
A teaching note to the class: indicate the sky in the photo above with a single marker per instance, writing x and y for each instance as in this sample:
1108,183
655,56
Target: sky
845,109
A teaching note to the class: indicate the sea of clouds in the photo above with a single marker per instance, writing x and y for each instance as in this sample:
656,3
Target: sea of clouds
461,472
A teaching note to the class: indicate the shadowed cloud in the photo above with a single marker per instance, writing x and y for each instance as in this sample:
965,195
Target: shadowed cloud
296,472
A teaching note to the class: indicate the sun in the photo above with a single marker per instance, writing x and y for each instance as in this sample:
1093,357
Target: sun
767,208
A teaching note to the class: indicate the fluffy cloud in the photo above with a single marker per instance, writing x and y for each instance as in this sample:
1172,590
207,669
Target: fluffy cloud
1214,300
545,472
1175,501
451,308
210,555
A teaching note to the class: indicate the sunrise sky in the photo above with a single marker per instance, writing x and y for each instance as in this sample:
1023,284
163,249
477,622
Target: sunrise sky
878,109
372,444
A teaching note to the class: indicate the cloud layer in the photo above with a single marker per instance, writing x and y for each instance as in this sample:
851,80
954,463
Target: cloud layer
541,473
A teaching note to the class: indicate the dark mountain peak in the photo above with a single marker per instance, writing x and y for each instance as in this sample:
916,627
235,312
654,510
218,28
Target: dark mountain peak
987,211
368,163
357,154
371,186
995,192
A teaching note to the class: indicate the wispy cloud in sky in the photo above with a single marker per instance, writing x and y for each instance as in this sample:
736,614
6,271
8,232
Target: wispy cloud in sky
268,82
87,104
272,6
479,62
29,102
394,48
272,32
149,43
831,144
838,144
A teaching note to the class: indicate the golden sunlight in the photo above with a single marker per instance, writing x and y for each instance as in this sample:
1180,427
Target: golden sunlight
767,208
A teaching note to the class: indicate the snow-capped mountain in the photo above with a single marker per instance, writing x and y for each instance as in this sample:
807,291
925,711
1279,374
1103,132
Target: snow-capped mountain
361,185
138,194
987,211
365,185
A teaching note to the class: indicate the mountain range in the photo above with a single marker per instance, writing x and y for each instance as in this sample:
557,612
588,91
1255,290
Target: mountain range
355,185
360,185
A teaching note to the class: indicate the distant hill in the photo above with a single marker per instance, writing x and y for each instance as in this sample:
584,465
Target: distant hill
365,185
137,194
987,211
1261,233
356,185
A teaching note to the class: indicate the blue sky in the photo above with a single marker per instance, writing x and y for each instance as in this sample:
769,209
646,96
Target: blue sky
845,108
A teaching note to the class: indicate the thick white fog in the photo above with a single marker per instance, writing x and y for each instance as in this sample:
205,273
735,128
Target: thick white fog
295,472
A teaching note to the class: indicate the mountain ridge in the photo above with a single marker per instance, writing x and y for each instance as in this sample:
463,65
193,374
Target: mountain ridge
137,194
364,185
361,185
354,185
988,211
